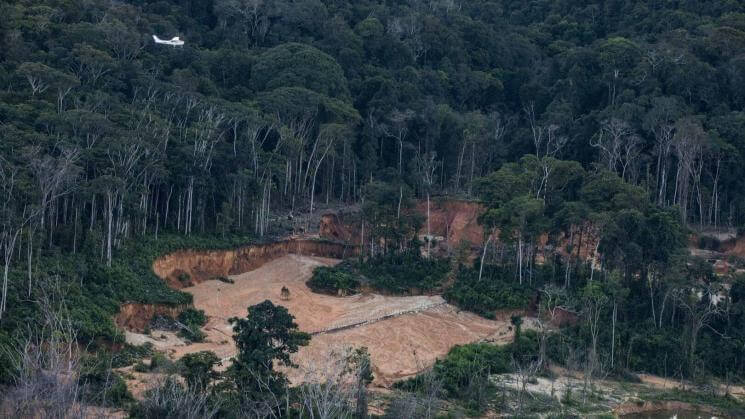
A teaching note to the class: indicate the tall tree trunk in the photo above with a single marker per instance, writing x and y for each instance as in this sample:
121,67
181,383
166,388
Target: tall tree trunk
483,256
429,234
8,246
109,224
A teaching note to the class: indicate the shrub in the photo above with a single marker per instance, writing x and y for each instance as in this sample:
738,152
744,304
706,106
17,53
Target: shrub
160,363
102,386
197,368
130,354
192,316
141,367
464,373
331,280
184,278
192,321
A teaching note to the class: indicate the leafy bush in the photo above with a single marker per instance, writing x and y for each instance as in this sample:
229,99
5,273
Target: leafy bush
331,280
102,386
192,316
184,278
197,368
193,320
464,362
130,354
141,367
489,294
464,374
397,273
160,363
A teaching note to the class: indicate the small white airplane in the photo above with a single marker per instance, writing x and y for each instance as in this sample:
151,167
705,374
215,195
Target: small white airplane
175,41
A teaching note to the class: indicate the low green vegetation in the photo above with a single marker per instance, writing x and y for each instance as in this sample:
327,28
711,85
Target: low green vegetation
130,354
341,279
94,292
464,374
397,273
192,320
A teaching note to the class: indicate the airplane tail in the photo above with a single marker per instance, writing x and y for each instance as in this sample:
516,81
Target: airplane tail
156,39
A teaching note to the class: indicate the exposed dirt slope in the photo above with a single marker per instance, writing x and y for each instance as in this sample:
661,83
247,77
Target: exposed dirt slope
453,220
136,317
200,266
399,344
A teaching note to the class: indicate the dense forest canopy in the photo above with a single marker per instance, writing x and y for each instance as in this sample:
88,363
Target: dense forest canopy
315,98
617,120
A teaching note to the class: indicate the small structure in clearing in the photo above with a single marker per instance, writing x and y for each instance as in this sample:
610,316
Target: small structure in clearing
284,294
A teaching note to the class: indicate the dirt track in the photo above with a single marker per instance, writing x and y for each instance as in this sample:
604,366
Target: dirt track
400,344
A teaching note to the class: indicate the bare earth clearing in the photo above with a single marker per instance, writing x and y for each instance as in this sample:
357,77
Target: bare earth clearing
403,334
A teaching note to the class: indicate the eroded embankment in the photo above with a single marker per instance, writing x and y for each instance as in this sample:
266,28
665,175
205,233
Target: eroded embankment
136,316
186,268
453,220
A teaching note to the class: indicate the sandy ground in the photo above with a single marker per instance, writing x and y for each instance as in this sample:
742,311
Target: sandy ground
403,334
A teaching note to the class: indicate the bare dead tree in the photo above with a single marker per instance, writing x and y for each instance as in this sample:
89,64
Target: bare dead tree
701,310
266,404
617,144
55,177
45,363
12,219
172,398
330,386
663,135
426,166
689,145
397,128
547,143
525,373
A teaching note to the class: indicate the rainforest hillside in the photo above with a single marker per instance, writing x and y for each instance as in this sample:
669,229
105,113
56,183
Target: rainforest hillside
601,137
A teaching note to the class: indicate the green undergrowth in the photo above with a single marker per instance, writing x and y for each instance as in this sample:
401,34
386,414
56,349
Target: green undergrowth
463,375
408,273
401,273
90,293
193,320
334,280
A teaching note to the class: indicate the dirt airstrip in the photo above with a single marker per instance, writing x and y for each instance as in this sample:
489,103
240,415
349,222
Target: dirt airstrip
403,334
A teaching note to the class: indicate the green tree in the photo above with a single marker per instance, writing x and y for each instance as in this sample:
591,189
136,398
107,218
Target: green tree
198,369
267,335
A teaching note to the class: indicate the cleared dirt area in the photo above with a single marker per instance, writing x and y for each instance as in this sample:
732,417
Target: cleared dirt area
403,334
